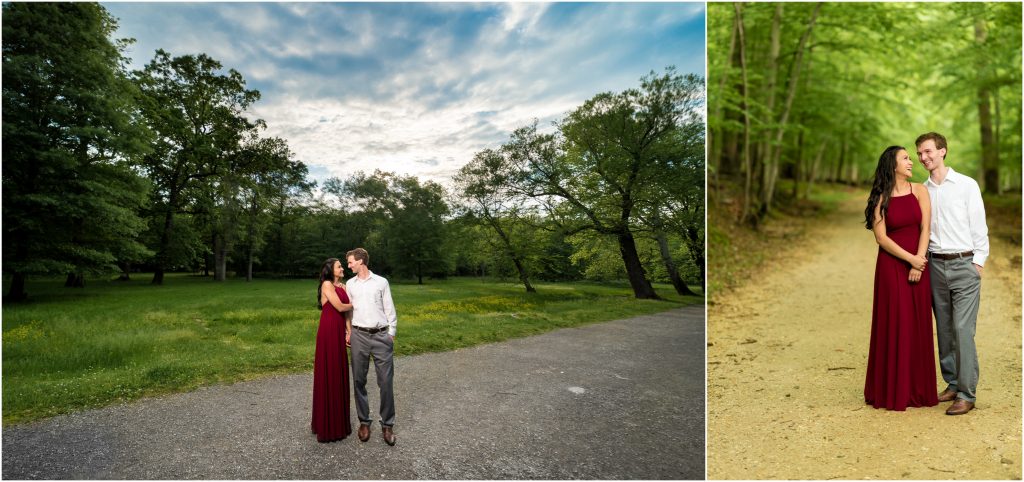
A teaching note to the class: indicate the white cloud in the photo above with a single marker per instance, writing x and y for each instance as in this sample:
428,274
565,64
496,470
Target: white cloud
521,17
415,88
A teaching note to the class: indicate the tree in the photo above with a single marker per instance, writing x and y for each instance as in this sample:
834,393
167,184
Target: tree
196,113
676,209
595,171
484,185
407,217
70,196
270,175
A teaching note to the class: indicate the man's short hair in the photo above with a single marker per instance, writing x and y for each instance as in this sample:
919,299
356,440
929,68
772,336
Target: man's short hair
359,254
939,139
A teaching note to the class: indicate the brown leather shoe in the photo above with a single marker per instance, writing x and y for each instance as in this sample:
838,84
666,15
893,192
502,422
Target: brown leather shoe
947,395
389,435
364,432
960,407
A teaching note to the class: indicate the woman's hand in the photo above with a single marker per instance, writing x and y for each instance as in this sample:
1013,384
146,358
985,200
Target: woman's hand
348,338
915,275
918,262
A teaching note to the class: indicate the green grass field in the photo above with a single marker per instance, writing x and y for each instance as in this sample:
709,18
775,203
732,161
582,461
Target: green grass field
69,349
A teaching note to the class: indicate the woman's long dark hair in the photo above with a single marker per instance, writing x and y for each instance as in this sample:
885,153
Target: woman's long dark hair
881,189
326,274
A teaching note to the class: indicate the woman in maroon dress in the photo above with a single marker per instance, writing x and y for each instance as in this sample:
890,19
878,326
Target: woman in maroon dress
901,358
330,366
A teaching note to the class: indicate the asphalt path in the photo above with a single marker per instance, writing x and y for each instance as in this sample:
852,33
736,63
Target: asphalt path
614,400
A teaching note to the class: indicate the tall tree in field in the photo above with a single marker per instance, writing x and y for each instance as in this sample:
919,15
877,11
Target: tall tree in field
270,175
70,198
484,185
604,160
677,206
409,216
196,112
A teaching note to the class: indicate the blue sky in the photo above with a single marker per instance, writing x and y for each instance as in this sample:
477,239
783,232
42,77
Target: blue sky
418,88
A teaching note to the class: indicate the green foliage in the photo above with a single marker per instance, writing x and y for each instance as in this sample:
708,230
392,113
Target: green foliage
873,75
114,341
163,169
604,164
70,197
406,217
196,113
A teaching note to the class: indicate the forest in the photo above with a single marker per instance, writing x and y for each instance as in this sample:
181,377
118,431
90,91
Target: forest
806,93
109,172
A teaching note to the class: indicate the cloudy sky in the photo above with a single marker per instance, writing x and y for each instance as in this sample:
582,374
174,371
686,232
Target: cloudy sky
418,88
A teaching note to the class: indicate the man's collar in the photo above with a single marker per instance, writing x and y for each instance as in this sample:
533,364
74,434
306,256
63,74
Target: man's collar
369,276
951,176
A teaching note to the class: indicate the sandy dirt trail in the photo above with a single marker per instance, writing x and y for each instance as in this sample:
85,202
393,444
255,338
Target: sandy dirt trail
787,357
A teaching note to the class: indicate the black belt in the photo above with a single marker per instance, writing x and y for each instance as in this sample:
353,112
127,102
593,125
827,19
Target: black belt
370,330
965,254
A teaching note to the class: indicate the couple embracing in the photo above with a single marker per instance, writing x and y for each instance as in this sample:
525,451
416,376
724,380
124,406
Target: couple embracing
361,314
933,243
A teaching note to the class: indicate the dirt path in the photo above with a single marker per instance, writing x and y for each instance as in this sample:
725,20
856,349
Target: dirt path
602,401
786,363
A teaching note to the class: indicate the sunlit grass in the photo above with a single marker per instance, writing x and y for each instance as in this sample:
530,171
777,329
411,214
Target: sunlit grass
69,349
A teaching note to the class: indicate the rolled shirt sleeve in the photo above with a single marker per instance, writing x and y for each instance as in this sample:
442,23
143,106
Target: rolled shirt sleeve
979,227
389,308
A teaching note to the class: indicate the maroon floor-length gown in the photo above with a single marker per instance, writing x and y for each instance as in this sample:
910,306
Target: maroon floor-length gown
330,376
901,358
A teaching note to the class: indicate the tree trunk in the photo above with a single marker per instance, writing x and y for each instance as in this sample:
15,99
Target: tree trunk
642,288
522,275
764,148
745,211
248,270
842,160
206,256
17,290
670,265
126,269
813,175
696,248
219,258
75,280
730,157
716,145
798,162
989,150
510,251
165,246
997,121
419,272
794,77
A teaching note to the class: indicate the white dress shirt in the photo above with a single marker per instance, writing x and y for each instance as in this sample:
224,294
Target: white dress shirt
958,217
372,306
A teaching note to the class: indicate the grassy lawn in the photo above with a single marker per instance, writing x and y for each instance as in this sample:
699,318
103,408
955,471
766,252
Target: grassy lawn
69,349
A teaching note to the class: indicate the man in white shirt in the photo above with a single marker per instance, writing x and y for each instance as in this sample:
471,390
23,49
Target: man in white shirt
957,250
373,333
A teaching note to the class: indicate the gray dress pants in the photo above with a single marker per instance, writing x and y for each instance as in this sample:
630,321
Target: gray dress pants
956,295
381,347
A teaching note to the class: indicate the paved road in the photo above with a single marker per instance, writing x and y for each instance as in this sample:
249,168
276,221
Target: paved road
616,400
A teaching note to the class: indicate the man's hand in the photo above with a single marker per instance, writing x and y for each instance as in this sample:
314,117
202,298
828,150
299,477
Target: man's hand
980,268
348,338
915,276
